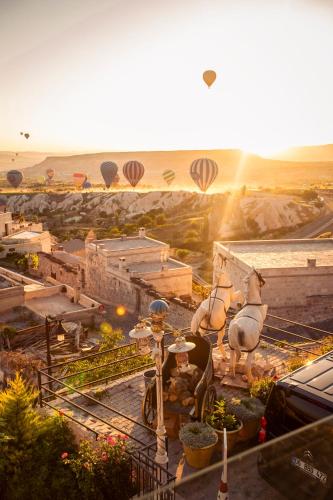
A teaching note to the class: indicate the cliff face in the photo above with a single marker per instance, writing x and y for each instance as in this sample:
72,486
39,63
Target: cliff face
256,213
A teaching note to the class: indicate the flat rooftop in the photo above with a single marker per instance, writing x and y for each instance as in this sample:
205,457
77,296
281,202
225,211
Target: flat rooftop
282,253
54,305
152,267
66,258
23,235
129,243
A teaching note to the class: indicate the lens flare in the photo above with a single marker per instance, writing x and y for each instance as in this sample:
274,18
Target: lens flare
105,327
121,310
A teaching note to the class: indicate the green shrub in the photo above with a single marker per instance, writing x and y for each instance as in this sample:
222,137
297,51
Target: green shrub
295,363
261,389
102,471
246,409
182,253
220,418
30,448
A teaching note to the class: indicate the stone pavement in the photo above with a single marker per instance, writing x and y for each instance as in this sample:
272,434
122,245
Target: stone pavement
126,396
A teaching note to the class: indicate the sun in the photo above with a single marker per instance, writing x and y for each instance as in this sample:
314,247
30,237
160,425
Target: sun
266,151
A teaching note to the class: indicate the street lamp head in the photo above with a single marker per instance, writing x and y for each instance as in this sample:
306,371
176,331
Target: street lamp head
142,333
158,309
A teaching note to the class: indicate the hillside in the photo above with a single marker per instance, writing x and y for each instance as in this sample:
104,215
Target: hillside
256,213
20,159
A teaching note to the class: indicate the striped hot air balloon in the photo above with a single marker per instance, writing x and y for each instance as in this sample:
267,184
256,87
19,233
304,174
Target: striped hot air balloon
204,171
169,176
133,171
109,170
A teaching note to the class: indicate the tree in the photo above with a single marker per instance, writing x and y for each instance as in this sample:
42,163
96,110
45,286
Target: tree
145,220
160,219
182,253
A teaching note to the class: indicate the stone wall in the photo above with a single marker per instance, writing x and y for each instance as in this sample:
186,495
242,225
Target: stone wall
302,294
50,266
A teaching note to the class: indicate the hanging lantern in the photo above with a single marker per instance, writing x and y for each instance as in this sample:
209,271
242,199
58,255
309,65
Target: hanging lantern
60,332
181,348
142,333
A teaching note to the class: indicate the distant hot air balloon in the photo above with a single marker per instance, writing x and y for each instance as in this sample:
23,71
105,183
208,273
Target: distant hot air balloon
133,171
79,178
169,176
14,177
86,184
209,77
13,159
21,133
26,135
16,154
109,170
50,173
116,180
204,172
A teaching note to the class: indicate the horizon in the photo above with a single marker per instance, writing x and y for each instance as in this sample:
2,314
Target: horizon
123,76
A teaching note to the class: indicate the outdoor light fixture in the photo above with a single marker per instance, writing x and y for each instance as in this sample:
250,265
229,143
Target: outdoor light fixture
142,333
181,348
60,332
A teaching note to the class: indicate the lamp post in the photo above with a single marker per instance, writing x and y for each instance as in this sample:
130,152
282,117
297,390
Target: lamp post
158,310
50,322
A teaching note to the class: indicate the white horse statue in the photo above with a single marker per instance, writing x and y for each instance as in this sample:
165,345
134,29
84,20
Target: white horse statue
245,328
211,315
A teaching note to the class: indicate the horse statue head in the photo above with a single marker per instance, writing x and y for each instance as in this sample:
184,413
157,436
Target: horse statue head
221,277
254,282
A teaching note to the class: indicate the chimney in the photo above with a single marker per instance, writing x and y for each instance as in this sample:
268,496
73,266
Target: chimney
76,295
122,262
312,262
142,232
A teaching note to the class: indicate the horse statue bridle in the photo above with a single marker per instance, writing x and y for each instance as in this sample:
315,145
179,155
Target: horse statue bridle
260,278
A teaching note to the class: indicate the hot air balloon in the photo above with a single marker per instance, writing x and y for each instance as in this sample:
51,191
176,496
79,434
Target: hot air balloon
203,172
13,159
116,180
133,171
86,184
169,176
21,133
50,173
209,77
79,178
14,177
109,170
16,154
26,135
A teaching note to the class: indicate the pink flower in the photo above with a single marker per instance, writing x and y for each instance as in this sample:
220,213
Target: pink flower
105,457
111,440
64,455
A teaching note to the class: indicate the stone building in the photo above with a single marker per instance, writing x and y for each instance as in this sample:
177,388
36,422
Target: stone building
112,265
298,274
22,237
62,267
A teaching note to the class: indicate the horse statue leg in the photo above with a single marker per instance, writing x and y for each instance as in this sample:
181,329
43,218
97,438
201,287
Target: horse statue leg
220,344
248,377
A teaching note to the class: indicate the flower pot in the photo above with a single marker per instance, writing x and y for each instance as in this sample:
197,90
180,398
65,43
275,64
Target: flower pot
199,457
250,429
232,438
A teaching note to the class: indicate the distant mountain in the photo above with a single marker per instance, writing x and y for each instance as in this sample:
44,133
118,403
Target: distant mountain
307,153
20,159
234,167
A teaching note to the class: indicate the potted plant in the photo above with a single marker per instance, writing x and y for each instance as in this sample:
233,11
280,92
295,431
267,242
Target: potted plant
199,441
249,411
219,419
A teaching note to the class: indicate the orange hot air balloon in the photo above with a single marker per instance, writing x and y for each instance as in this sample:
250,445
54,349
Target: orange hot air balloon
209,77
78,179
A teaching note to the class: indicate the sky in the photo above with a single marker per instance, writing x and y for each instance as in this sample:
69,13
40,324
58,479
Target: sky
112,75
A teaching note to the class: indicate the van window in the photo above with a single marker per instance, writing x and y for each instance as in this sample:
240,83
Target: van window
287,411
